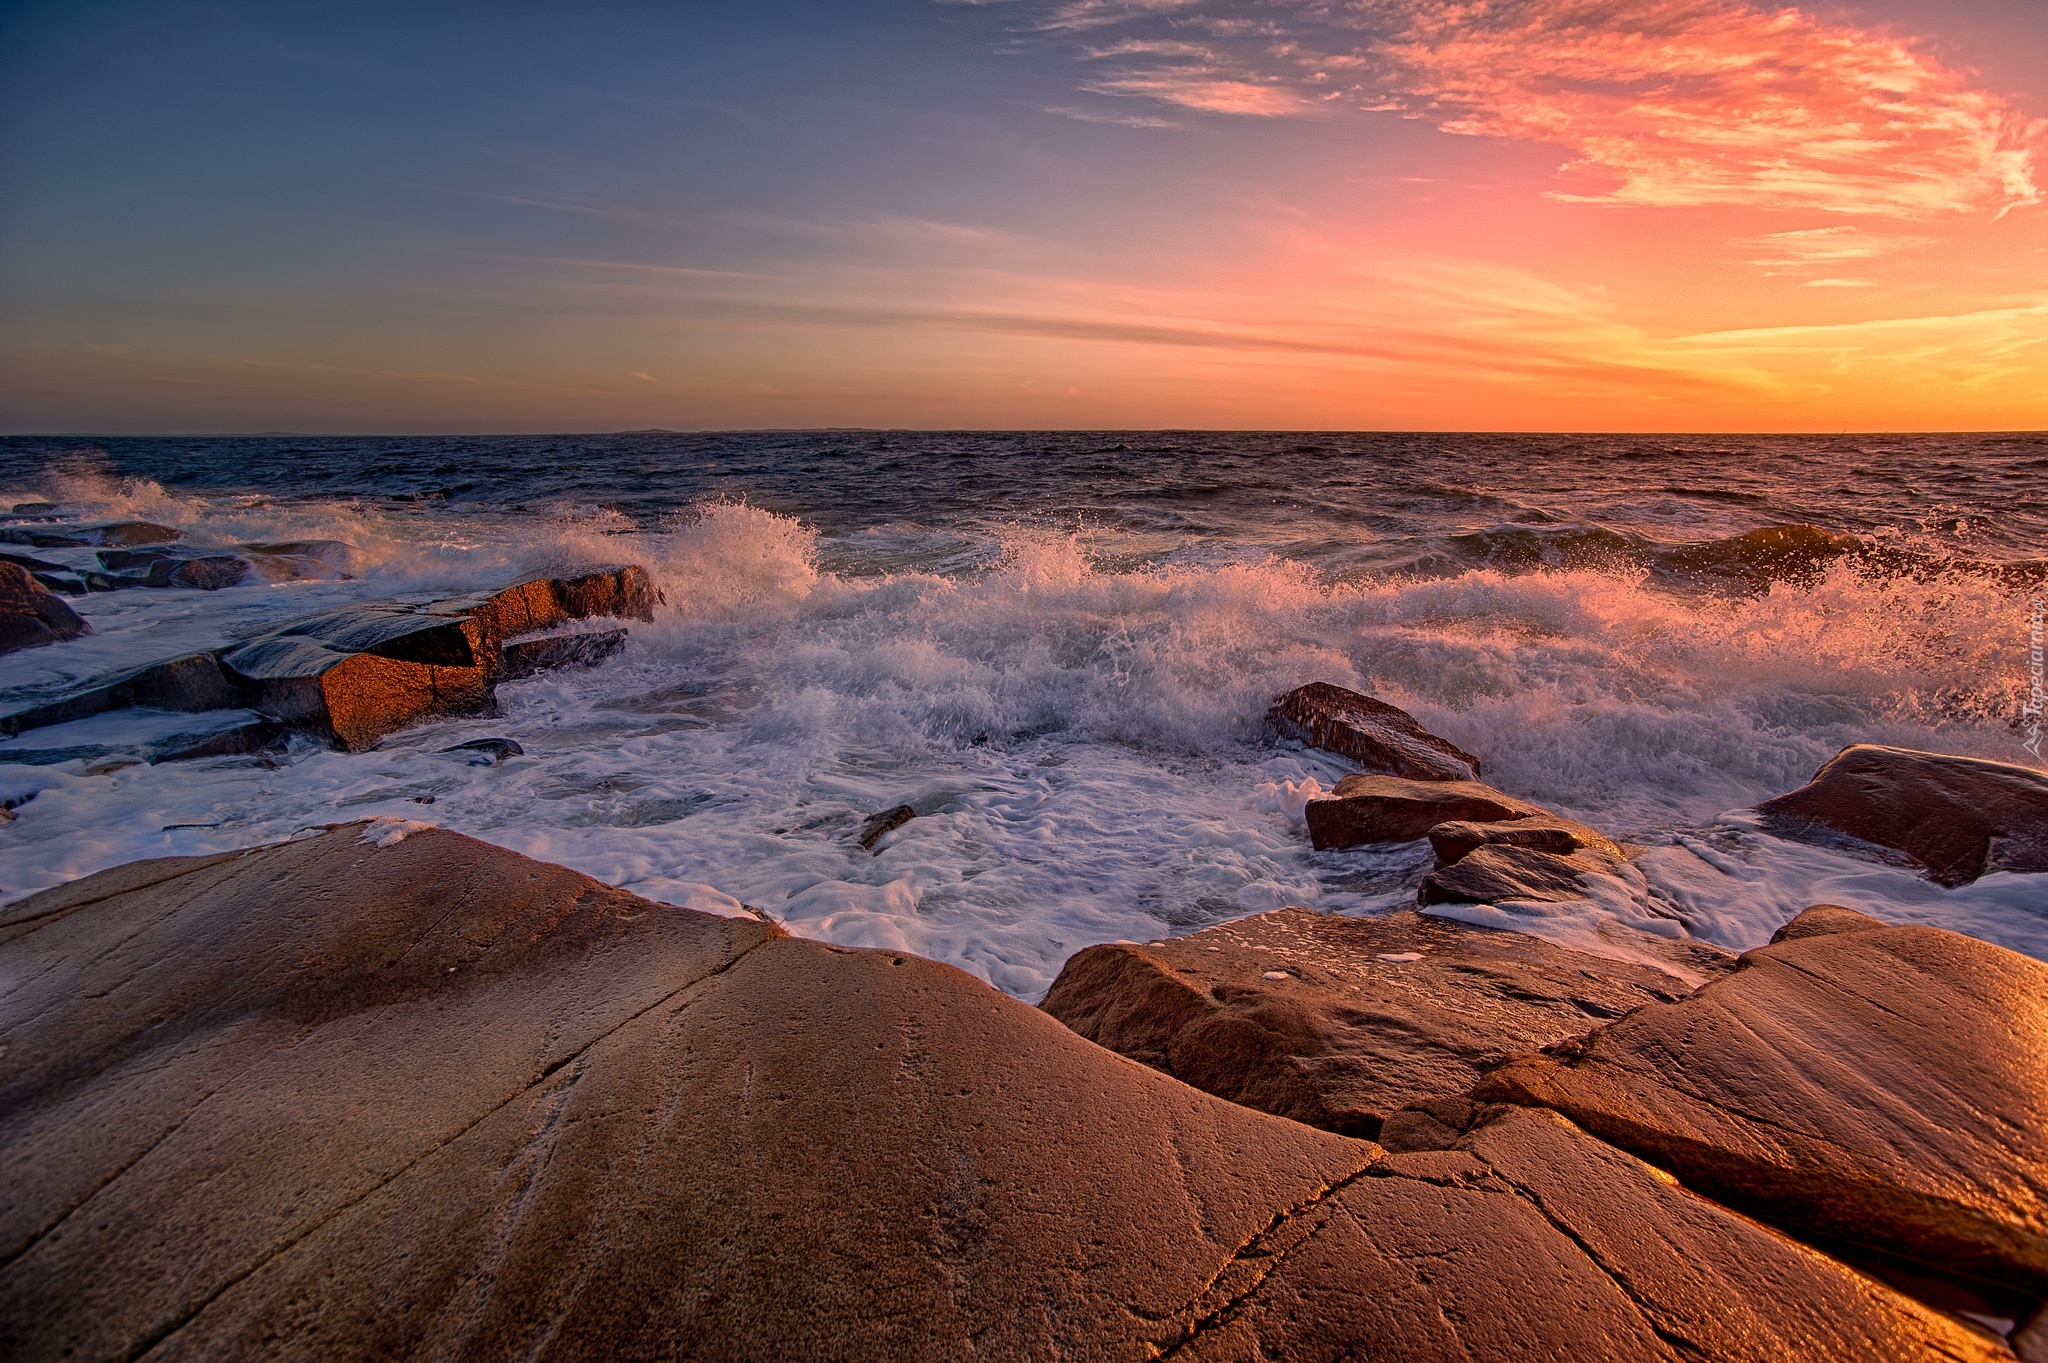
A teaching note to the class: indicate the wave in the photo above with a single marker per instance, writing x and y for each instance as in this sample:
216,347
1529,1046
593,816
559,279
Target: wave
1080,738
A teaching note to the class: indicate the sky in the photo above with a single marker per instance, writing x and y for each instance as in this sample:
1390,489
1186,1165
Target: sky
1599,215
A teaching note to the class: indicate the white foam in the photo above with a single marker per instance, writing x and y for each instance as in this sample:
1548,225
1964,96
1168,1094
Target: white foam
1082,746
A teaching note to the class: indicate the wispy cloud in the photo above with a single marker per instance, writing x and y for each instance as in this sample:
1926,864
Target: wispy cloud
1673,103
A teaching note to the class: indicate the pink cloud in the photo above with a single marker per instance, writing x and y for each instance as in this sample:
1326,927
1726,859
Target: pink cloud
1689,102
1668,103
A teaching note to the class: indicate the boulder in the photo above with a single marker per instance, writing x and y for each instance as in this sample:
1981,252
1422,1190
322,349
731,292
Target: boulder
526,657
1336,1021
353,675
1540,832
178,567
292,559
189,684
1368,808
545,604
1497,872
1877,1086
77,536
1378,736
485,752
389,1092
1959,817
30,616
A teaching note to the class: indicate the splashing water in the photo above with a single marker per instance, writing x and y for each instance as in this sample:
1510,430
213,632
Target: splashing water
1071,703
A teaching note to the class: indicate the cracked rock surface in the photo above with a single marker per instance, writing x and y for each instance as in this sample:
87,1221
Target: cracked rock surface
1885,1087
419,1097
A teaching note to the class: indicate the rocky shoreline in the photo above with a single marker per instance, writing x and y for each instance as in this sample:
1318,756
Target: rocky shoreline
386,1090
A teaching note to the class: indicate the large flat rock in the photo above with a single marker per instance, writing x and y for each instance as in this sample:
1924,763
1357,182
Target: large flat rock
348,1098
1959,817
1366,1015
1881,1086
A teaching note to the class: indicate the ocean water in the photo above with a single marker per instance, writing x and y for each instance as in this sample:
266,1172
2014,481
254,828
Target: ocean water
1059,648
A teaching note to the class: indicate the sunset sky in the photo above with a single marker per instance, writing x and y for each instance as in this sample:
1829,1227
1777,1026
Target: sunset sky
1321,214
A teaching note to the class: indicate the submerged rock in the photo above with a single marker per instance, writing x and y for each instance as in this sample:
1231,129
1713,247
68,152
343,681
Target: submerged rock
30,616
1959,817
888,821
526,657
486,752
1380,809
189,684
390,1092
1378,736
179,567
1339,1021
1886,1087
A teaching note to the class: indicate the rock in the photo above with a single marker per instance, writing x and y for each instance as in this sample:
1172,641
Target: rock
131,533
258,736
1876,1086
34,509
175,568
887,821
1369,808
546,603
389,1092
1959,817
486,752
1378,736
1501,871
525,657
30,616
189,684
353,675
292,559
1367,1015
1542,832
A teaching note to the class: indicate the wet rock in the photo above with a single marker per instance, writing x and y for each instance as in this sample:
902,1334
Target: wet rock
1378,736
1875,1086
30,616
254,738
131,533
1497,872
1369,808
546,603
525,657
1958,817
189,684
34,509
1541,832
1338,1022
288,560
486,752
353,675
180,567
887,821
394,1093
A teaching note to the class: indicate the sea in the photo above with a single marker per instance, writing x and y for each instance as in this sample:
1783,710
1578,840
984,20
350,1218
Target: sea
1059,649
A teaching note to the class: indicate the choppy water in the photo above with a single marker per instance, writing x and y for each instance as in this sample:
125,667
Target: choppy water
1058,648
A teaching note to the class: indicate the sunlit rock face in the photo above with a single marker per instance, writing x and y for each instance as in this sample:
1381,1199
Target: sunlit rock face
388,1091
1958,817
1886,1087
